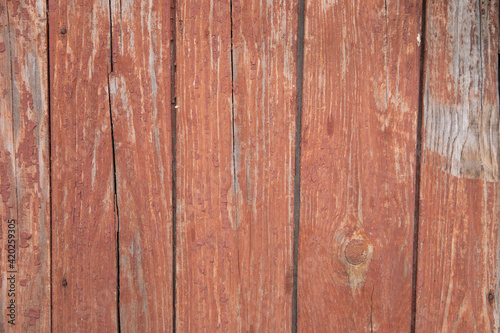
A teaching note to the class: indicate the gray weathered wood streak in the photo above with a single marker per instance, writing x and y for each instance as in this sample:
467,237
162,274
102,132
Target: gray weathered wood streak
461,109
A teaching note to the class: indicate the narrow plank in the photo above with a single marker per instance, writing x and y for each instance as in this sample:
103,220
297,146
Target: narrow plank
264,75
235,178
83,223
207,274
8,206
458,248
141,107
24,169
358,160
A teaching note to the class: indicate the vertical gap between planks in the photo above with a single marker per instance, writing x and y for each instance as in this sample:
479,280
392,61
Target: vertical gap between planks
115,186
421,90
173,128
49,110
298,136
235,177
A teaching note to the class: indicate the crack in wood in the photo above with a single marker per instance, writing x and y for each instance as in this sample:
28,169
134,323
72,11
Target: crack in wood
115,186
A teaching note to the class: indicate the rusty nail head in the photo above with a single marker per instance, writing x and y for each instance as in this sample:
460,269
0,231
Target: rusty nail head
64,31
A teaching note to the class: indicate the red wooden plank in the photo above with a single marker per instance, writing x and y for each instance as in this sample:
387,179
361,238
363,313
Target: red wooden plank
140,103
24,167
458,270
358,159
264,75
83,203
207,272
235,179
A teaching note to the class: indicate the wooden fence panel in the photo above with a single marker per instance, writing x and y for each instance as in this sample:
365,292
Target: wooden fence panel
140,87
458,264
236,97
359,122
148,165
83,201
24,167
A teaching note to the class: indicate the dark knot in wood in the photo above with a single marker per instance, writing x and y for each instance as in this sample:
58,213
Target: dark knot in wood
356,252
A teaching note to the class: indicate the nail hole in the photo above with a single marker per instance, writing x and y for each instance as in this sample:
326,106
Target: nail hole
64,31
491,297
64,283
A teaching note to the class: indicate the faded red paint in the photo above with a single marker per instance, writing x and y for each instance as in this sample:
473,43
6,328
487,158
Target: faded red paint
24,170
83,205
235,105
359,122
140,95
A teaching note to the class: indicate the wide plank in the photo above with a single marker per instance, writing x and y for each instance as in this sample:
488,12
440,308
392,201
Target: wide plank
84,266
458,249
140,88
24,167
358,162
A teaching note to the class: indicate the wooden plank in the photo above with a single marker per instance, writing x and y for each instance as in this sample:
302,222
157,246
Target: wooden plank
235,178
140,102
8,205
24,166
83,221
358,160
458,250
265,107
207,275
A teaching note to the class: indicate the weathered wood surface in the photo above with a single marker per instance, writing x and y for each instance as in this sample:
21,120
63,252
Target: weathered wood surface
84,280
235,157
140,103
458,258
264,89
24,163
172,192
359,121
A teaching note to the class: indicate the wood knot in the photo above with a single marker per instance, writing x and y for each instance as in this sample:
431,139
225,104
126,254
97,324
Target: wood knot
356,252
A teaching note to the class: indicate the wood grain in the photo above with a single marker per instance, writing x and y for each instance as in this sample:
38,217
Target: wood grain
140,102
8,204
83,201
459,216
235,155
24,165
358,160
264,89
207,256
